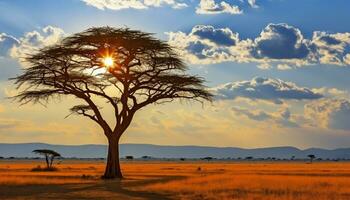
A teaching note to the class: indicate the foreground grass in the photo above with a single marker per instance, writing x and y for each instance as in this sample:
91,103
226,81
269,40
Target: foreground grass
182,180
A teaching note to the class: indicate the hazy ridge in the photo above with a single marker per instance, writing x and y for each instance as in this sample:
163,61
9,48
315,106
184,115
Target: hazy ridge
159,151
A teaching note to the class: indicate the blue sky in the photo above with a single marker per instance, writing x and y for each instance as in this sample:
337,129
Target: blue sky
295,46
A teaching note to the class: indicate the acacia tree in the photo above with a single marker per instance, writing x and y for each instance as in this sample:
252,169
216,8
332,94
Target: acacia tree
129,69
312,157
50,155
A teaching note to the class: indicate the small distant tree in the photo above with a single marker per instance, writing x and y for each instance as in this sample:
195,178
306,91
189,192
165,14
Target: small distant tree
129,157
249,158
50,155
207,158
292,158
312,157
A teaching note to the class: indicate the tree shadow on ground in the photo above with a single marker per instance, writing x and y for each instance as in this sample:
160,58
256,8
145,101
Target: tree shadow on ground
101,189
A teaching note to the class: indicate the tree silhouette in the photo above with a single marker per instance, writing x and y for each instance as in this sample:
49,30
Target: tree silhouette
207,158
50,155
128,69
129,157
249,158
312,157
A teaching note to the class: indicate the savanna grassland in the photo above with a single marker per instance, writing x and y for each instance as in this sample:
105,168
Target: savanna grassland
178,180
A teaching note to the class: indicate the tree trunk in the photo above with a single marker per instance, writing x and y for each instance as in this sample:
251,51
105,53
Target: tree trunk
47,161
113,167
51,161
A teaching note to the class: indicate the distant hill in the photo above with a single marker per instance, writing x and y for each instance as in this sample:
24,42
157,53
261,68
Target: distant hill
158,151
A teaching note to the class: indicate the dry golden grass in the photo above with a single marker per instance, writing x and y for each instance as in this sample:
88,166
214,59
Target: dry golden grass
178,180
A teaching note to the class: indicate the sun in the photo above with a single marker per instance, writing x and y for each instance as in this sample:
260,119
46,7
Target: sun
108,62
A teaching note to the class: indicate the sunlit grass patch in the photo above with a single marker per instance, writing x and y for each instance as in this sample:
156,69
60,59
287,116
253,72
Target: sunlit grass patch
215,180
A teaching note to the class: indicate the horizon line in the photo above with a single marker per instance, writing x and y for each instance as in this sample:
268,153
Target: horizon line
164,145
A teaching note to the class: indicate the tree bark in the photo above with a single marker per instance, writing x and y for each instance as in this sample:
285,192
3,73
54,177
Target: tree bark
113,166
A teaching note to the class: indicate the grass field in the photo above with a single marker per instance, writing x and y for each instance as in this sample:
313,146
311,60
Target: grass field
178,180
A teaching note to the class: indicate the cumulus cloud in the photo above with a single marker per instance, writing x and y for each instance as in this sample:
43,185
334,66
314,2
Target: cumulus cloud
204,44
329,113
280,41
135,4
332,48
222,36
31,41
6,43
260,88
204,6
211,7
278,45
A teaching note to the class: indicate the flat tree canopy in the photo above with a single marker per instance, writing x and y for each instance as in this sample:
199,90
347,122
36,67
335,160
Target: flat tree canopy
47,151
129,69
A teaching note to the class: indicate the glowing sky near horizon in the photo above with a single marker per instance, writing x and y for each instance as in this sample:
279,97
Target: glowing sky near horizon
279,69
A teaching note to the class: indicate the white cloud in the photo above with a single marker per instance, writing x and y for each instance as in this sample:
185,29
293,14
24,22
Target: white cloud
265,66
253,4
135,4
279,45
6,43
347,59
211,7
34,40
331,48
331,92
284,67
204,44
268,89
